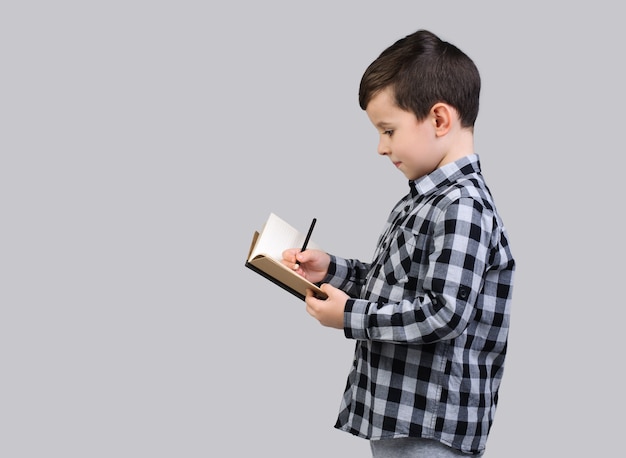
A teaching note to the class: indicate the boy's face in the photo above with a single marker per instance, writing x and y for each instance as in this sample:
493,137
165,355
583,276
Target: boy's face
410,144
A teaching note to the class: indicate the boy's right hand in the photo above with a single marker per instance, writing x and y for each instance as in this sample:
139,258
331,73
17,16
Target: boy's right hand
311,264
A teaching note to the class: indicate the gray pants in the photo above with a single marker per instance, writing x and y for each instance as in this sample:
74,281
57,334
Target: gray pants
412,447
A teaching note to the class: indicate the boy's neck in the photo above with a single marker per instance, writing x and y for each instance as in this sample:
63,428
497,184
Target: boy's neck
461,144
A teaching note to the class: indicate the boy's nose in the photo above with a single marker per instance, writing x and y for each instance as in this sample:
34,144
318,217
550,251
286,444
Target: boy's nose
383,148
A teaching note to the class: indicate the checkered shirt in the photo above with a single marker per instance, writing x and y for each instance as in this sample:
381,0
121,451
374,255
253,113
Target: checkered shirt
430,315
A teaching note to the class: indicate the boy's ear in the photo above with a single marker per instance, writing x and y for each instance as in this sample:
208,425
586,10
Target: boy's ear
442,116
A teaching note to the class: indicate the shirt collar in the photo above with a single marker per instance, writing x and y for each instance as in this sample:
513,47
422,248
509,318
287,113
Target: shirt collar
448,173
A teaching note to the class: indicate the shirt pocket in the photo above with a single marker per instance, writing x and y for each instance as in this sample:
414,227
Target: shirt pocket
401,259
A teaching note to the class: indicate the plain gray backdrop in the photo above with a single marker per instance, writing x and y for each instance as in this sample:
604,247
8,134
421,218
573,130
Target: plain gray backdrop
142,143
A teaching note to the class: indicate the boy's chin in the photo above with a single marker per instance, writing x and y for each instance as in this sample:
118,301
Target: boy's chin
411,176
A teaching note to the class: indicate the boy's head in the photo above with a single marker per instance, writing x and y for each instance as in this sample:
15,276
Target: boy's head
422,70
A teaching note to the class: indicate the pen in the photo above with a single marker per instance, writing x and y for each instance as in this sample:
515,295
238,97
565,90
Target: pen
306,239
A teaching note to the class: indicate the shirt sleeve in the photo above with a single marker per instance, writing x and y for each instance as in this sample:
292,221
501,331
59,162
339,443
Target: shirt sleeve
453,277
347,275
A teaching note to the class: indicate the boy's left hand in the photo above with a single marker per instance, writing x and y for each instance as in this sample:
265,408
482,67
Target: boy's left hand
329,312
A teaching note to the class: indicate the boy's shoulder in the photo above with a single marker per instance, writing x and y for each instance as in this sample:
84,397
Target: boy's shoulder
461,179
457,175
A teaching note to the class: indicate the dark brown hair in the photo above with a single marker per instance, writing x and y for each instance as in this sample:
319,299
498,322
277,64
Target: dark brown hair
423,70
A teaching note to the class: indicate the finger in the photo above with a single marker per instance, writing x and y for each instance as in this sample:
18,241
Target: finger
309,303
289,258
290,254
327,288
304,256
311,300
291,263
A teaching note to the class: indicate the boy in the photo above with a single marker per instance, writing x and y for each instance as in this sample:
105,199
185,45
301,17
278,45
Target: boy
430,313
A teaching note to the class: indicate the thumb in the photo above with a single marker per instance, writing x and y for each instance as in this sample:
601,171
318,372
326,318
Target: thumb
327,288
303,256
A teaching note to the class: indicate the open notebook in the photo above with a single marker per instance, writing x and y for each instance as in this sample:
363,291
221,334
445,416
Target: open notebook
265,256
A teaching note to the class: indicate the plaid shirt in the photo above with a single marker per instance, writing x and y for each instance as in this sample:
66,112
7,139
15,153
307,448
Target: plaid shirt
430,315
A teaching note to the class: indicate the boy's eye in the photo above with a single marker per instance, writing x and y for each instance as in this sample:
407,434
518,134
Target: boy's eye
388,132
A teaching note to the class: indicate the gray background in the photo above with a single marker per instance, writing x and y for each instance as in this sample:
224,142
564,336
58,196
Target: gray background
142,143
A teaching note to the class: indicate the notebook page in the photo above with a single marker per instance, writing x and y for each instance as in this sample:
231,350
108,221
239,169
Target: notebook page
276,236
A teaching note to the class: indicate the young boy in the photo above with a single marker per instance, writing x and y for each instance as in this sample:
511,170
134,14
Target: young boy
430,312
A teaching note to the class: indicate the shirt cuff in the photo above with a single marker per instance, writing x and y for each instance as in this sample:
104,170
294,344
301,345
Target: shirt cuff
355,319
336,273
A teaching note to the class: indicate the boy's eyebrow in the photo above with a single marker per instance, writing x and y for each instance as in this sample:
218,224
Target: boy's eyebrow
383,124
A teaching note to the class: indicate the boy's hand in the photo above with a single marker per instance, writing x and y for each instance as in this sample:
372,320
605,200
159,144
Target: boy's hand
311,264
329,312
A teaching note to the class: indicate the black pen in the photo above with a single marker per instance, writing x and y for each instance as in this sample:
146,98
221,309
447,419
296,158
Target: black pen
306,239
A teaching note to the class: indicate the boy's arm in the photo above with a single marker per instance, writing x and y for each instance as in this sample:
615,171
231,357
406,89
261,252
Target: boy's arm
452,279
347,275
